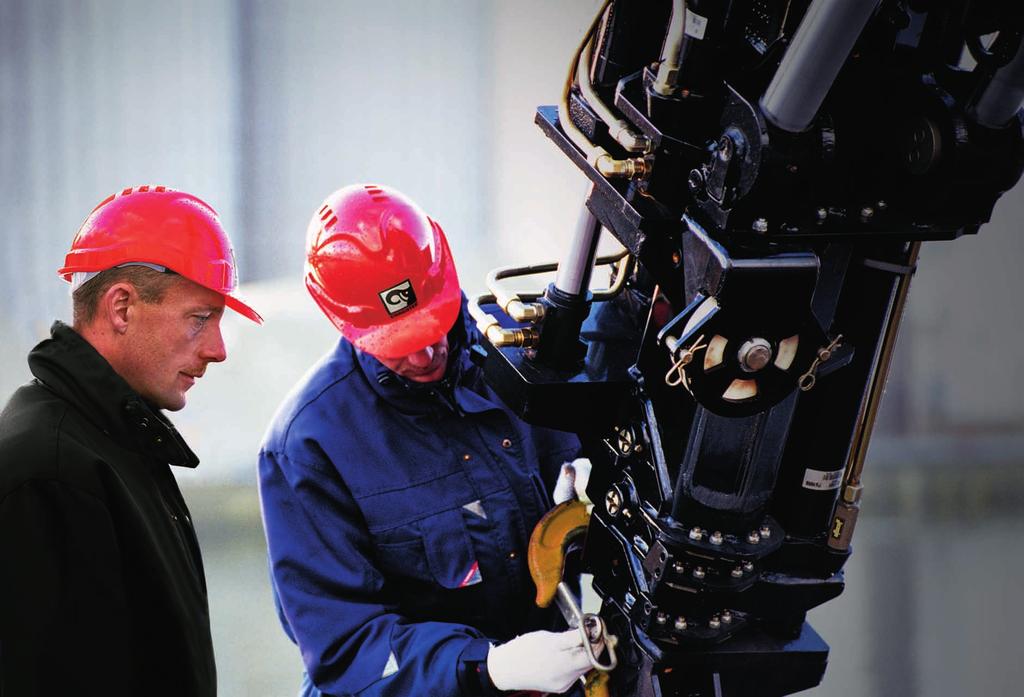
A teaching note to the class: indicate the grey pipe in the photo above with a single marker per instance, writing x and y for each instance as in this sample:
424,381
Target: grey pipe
573,275
1003,96
820,47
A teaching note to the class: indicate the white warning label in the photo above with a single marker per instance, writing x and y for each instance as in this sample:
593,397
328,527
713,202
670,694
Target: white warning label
695,25
822,481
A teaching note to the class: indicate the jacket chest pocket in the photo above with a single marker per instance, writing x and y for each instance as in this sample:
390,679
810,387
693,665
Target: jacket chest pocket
433,551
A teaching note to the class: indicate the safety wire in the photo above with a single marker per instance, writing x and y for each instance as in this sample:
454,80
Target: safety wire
676,375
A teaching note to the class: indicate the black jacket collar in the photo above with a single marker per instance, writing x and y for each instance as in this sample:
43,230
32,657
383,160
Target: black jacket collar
70,367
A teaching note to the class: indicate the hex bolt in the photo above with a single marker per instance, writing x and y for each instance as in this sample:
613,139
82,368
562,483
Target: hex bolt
695,182
661,618
699,572
625,441
696,534
867,212
881,206
822,214
715,623
638,448
726,616
754,354
760,225
613,502
753,538
737,572
725,149
680,623
766,531
748,566
716,538
678,566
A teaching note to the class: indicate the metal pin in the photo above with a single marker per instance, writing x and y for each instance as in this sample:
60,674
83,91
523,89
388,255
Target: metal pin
661,618
698,572
678,566
760,225
715,623
726,616
716,538
696,534
753,538
680,623
748,566
737,572
766,531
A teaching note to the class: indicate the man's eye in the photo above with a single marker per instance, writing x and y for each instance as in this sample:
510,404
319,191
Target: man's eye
200,320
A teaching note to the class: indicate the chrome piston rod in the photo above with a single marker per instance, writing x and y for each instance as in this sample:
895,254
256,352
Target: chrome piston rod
573,277
820,47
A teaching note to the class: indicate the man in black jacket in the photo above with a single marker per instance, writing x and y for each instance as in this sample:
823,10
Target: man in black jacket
101,581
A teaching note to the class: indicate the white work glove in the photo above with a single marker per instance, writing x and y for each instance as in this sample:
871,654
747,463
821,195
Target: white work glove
572,481
541,661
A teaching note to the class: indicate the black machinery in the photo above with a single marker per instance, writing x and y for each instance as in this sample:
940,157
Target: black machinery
771,168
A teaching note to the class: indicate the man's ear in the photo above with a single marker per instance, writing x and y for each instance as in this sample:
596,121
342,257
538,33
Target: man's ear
115,306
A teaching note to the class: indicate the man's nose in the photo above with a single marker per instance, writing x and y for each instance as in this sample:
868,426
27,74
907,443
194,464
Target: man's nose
421,358
213,349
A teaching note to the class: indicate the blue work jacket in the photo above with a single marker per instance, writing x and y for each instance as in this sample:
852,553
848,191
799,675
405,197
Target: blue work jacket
397,518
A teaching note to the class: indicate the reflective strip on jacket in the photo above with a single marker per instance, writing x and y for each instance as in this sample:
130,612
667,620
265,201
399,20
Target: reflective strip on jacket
397,517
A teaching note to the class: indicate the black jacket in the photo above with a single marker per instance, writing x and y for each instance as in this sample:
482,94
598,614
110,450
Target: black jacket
101,583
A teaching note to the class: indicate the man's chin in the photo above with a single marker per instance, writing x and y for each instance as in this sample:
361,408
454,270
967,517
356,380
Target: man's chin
174,403
433,376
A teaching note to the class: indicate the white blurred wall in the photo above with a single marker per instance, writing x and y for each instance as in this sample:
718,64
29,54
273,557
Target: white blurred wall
262,108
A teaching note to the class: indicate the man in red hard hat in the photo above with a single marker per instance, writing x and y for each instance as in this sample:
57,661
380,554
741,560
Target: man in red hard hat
102,588
398,492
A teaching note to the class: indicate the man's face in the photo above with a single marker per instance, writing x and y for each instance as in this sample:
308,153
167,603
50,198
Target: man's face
426,365
170,343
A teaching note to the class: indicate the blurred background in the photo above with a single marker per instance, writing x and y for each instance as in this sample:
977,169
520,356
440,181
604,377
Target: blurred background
262,108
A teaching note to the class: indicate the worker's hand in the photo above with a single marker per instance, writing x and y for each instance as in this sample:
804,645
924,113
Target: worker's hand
572,481
541,661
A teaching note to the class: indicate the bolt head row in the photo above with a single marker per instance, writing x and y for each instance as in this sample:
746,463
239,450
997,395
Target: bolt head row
680,623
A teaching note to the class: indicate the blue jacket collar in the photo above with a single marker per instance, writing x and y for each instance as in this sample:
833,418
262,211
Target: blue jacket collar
460,390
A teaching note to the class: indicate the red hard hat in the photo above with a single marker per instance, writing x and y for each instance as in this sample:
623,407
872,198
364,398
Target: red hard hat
160,226
381,271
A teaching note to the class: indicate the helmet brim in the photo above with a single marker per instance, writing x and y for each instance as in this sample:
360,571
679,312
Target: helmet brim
243,308
416,329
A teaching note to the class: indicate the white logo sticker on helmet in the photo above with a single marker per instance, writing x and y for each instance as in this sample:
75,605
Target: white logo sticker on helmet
398,299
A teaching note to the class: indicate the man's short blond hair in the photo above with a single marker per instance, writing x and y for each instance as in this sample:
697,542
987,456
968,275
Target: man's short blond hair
151,285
